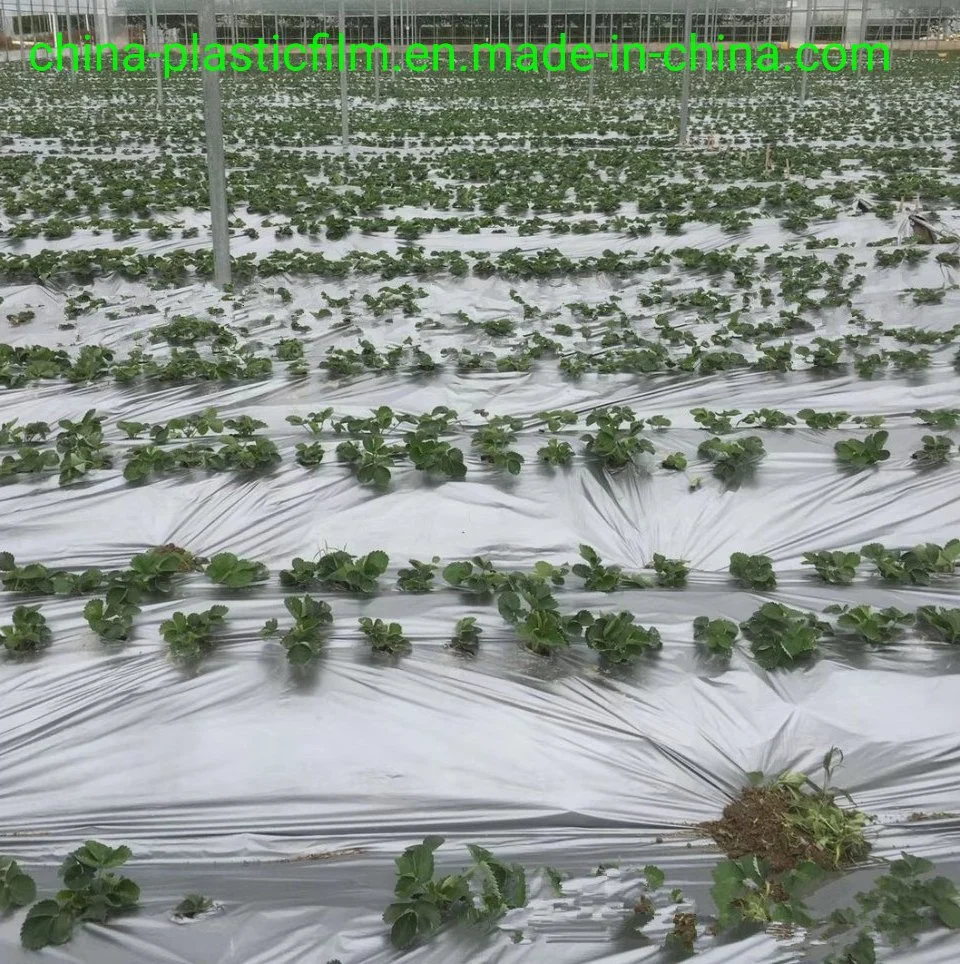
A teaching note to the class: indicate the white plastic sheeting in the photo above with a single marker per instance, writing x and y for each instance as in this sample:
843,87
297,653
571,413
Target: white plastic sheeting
286,799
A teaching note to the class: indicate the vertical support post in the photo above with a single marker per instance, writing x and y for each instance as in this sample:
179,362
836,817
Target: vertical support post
376,61
593,45
155,44
393,35
807,39
21,49
549,34
685,80
216,173
344,119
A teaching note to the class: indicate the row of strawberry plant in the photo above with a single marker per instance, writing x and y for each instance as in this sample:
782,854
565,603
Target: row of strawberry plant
153,572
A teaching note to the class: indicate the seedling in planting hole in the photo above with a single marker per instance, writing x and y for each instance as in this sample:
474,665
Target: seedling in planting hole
384,637
476,575
555,452
838,568
746,892
753,572
433,455
940,623
229,570
110,620
92,892
943,419
189,636
555,419
341,570
28,632
372,459
675,461
717,635
871,625
481,894
671,573
598,577
419,577
917,565
780,636
309,453
860,454
192,906
717,422
313,421
618,640
822,420
936,451
466,636
304,639
681,939
733,460
616,442
17,889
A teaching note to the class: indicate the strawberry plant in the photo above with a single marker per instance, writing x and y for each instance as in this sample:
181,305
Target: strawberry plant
616,442
426,903
780,636
555,452
746,892
229,570
822,420
870,625
618,640
717,635
944,419
27,633
17,889
940,623
92,892
384,637
313,422
309,453
348,573
493,442
901,903
189,636
860,454
193,906
838,568
476,575
671,573
433,455
733,460
466,636
600,578
418,577
110,620
716,422
675,461
767,418
371,459
304,639
935,451
917,565
753,572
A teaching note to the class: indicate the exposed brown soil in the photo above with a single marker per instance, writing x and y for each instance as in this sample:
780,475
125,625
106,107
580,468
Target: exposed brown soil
757,823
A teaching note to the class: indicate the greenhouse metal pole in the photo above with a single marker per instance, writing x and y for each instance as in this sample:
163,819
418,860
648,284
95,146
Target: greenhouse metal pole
807,37
685,79
344,120
376,61
155,46
393,35
216,173
21,48
549,31
593,45
526,23
510,23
